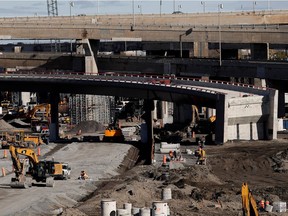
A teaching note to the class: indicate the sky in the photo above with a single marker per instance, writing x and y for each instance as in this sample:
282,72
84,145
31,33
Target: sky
19,8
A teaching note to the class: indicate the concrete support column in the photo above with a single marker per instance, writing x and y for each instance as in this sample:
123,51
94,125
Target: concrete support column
259,51
149,146
54,124
281,104
260,82
221,127
182,113
272,123
201,49
84,47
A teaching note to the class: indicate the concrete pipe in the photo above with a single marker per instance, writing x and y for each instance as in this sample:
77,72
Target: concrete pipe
123,212
159,208
128,206
108,207
145,211
135,211
166,194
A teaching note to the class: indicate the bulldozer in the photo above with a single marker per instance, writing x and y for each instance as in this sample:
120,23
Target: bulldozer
32,170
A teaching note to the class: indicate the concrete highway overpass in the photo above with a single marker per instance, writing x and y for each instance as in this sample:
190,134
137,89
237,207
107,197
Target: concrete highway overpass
235,27
242,112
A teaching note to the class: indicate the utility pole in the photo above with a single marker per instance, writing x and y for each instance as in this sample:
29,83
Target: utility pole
52,7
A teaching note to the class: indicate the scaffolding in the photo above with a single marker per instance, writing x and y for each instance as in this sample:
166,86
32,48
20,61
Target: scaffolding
90,108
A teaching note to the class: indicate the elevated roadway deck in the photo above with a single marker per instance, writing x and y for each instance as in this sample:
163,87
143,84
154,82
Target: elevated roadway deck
243,112
237,27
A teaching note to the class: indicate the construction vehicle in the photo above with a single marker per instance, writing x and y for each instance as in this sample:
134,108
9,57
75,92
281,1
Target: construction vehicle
5,103
19,138
113,133
27,171
39,117
249,205
66,171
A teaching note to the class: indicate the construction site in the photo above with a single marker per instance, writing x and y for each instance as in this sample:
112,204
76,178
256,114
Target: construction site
106,174
101,161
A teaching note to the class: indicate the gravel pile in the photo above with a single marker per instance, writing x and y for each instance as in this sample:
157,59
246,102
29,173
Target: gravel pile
88,127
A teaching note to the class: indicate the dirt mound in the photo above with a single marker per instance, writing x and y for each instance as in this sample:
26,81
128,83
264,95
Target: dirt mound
88,127
280,161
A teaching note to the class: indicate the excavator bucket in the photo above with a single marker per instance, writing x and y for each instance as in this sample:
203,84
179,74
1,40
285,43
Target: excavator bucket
21,182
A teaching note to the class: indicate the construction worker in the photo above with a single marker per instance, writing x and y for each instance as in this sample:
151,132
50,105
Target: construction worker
83,175
201,154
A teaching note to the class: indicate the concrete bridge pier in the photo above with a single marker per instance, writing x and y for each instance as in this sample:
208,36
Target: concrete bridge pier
201,50
260,51
90,51
221,124
148,148
54,123
272,124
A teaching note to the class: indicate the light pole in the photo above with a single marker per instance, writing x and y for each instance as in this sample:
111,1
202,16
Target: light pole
160,7
254,3
71,3
203,3
173,5
140,9
133,11
220,6
189,31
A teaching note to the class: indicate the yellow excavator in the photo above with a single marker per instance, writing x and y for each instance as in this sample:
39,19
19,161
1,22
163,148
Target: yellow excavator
19,138
31,169
249,205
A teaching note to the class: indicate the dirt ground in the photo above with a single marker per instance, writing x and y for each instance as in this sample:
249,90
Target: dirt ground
211,190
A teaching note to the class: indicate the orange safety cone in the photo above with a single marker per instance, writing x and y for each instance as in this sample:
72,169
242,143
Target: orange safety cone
3,171
38,151
164,159
5,154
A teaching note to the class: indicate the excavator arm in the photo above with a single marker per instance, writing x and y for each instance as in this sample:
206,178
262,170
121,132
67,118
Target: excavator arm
39,107
18,166
249,204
